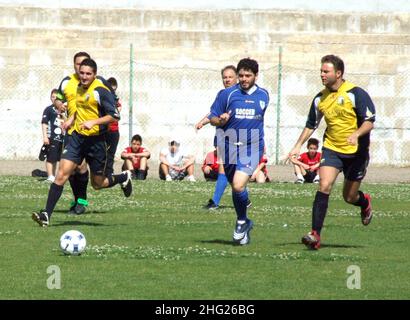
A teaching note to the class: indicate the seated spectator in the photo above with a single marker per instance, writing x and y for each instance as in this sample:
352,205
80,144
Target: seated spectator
306,166
260,175
175,163
210,166
136,158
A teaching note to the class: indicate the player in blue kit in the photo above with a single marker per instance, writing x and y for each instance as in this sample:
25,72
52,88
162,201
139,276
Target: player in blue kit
239,112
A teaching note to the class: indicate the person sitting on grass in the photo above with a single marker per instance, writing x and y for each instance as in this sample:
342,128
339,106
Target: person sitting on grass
136,158
306,166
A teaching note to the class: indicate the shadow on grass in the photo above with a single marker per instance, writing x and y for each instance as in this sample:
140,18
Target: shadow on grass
87,212
79,223
219,241
323,245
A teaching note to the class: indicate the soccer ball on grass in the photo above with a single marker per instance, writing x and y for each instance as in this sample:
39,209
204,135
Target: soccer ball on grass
73,242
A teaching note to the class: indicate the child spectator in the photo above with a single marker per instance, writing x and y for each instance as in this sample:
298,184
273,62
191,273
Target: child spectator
210,166
52,136
306,166
136,158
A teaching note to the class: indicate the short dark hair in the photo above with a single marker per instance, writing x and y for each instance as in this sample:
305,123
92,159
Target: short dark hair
335,60
136,137
81,54
313,141
112,82
233,68
89,63
53,91
248,64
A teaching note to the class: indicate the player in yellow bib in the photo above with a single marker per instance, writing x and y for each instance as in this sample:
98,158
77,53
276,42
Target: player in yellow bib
349,114
67,93
95,109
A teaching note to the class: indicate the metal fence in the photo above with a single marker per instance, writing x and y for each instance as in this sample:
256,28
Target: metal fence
161,102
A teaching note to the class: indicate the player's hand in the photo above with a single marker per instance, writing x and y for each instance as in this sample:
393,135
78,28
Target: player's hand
87,125
46,141
353,139
199,125
293,154
224,117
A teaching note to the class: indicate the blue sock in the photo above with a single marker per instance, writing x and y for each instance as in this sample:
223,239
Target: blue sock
220,187
240,200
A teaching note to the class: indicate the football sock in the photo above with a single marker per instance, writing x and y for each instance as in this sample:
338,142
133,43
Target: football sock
114,179
220,187
362,201
319,210
73,184
240,200
299,176
82,184
53,195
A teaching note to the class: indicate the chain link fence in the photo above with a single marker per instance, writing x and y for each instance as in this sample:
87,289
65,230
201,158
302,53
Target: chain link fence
168,101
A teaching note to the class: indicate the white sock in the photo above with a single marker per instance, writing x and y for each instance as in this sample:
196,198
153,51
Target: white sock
299,175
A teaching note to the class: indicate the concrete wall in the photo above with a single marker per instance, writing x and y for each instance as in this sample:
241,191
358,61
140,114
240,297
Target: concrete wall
178,56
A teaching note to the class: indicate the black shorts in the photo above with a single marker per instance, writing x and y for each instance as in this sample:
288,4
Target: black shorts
92,148
54,151
354,166
211,176
310,176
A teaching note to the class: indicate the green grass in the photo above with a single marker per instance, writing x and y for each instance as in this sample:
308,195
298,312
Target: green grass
161,244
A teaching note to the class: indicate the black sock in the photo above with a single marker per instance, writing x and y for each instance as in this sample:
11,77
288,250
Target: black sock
114,179
319,211
53,195
73,185
362,202
82,184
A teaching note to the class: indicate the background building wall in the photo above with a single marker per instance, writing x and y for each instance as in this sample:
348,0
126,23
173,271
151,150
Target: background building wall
178,54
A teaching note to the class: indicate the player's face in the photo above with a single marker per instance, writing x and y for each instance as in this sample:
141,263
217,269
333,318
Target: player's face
87,76
135,145
77,64
329,75
229,78
53,97
312,150
247,79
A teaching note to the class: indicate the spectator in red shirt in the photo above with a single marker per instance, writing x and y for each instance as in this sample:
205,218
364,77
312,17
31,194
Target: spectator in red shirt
136,158
307,165
210,166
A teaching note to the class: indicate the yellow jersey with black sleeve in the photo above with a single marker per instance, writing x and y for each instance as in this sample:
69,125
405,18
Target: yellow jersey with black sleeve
92,103
344,111
67,92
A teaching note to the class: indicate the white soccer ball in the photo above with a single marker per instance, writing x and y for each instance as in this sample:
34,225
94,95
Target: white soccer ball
73,242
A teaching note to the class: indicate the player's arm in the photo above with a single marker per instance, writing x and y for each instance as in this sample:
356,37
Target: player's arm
106,102
312,123
203,122
60,100
44,127
366,114
219,114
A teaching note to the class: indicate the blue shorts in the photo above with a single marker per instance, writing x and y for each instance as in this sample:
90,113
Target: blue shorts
240,161
354,166
91,148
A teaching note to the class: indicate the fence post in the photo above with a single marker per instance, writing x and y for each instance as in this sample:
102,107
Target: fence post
278,106
130,100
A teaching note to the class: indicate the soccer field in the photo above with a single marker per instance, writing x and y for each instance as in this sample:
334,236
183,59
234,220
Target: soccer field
161,244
